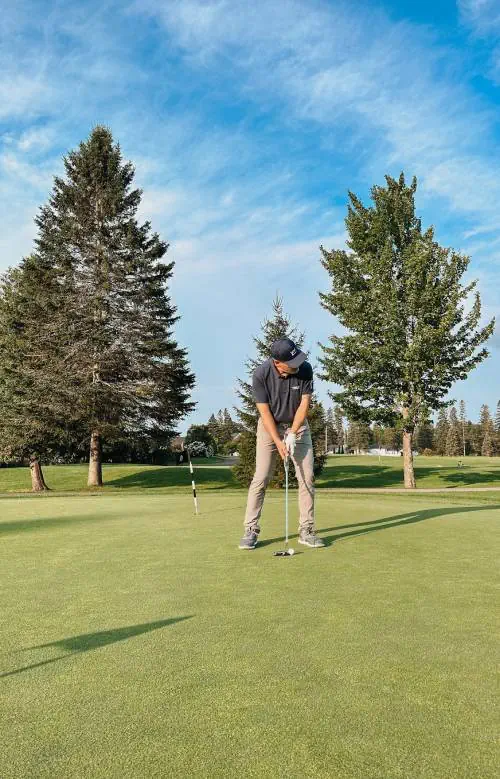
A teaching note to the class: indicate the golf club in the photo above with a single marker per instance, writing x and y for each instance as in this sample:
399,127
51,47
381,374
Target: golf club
286,552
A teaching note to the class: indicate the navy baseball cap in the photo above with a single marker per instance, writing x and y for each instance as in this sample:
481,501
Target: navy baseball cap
285,350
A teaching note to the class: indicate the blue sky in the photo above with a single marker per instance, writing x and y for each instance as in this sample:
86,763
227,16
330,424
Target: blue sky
247,123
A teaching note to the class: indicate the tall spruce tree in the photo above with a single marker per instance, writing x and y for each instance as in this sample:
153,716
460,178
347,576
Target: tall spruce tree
35,421
214,430
441,433
124,373
339,427
497,428
358,437
462,416
378,436
488,445
330,431
485,417
425,436
230,428
392,439
475,436
401,298
278,326
453,438
317,425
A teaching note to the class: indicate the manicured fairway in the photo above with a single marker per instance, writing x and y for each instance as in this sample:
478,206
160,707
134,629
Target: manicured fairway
137,641
341,472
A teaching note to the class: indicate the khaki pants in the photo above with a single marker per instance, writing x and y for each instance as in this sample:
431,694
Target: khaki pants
264,468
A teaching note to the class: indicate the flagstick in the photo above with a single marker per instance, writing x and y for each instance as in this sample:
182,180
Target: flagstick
192,482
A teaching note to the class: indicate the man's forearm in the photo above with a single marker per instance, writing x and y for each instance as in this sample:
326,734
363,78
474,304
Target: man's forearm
270,425
299,419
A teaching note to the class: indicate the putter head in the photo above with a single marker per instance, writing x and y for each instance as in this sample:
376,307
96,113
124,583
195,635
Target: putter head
284,553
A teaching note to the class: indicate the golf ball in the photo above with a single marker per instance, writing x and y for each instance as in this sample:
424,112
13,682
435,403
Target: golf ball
291,551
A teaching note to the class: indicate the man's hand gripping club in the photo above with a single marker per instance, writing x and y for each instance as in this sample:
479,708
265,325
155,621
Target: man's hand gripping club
290,442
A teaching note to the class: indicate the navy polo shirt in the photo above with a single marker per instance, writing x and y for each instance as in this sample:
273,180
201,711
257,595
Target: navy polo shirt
282,394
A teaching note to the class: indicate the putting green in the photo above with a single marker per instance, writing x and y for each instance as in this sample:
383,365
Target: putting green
138,641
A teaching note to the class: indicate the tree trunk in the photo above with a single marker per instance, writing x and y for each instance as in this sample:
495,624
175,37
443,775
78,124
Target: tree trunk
37,480
95,462
408,460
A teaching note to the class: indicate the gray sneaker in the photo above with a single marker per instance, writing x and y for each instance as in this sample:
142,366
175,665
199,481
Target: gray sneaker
309,538
249,540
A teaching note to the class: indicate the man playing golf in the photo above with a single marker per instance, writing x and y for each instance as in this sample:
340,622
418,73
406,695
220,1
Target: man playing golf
282,389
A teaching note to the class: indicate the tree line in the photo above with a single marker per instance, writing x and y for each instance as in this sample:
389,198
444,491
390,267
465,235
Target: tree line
88,356
453,434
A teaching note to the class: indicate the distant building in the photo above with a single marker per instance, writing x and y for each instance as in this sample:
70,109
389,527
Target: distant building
387,452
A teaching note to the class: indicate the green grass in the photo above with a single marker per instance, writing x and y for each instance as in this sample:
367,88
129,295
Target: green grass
137,641
134,478
343,472
430,472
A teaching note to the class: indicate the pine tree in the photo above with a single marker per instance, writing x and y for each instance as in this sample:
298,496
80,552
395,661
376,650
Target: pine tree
488,446
278,326
441,433
213,429
453,438
425,436
364,435
351,436
228,428
31,428
378,436
475,436
496,426
331,437
358,437
124,374
463,424
392,439
401,298
485,417
339,427
317,424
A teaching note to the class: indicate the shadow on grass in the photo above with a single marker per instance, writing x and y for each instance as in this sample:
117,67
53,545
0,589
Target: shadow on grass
33,525
408,518
206,478
353,475
87,641
461,477
28,525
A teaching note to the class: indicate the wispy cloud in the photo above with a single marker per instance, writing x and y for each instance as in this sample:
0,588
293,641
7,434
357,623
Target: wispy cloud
326,65
398,93
482,17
